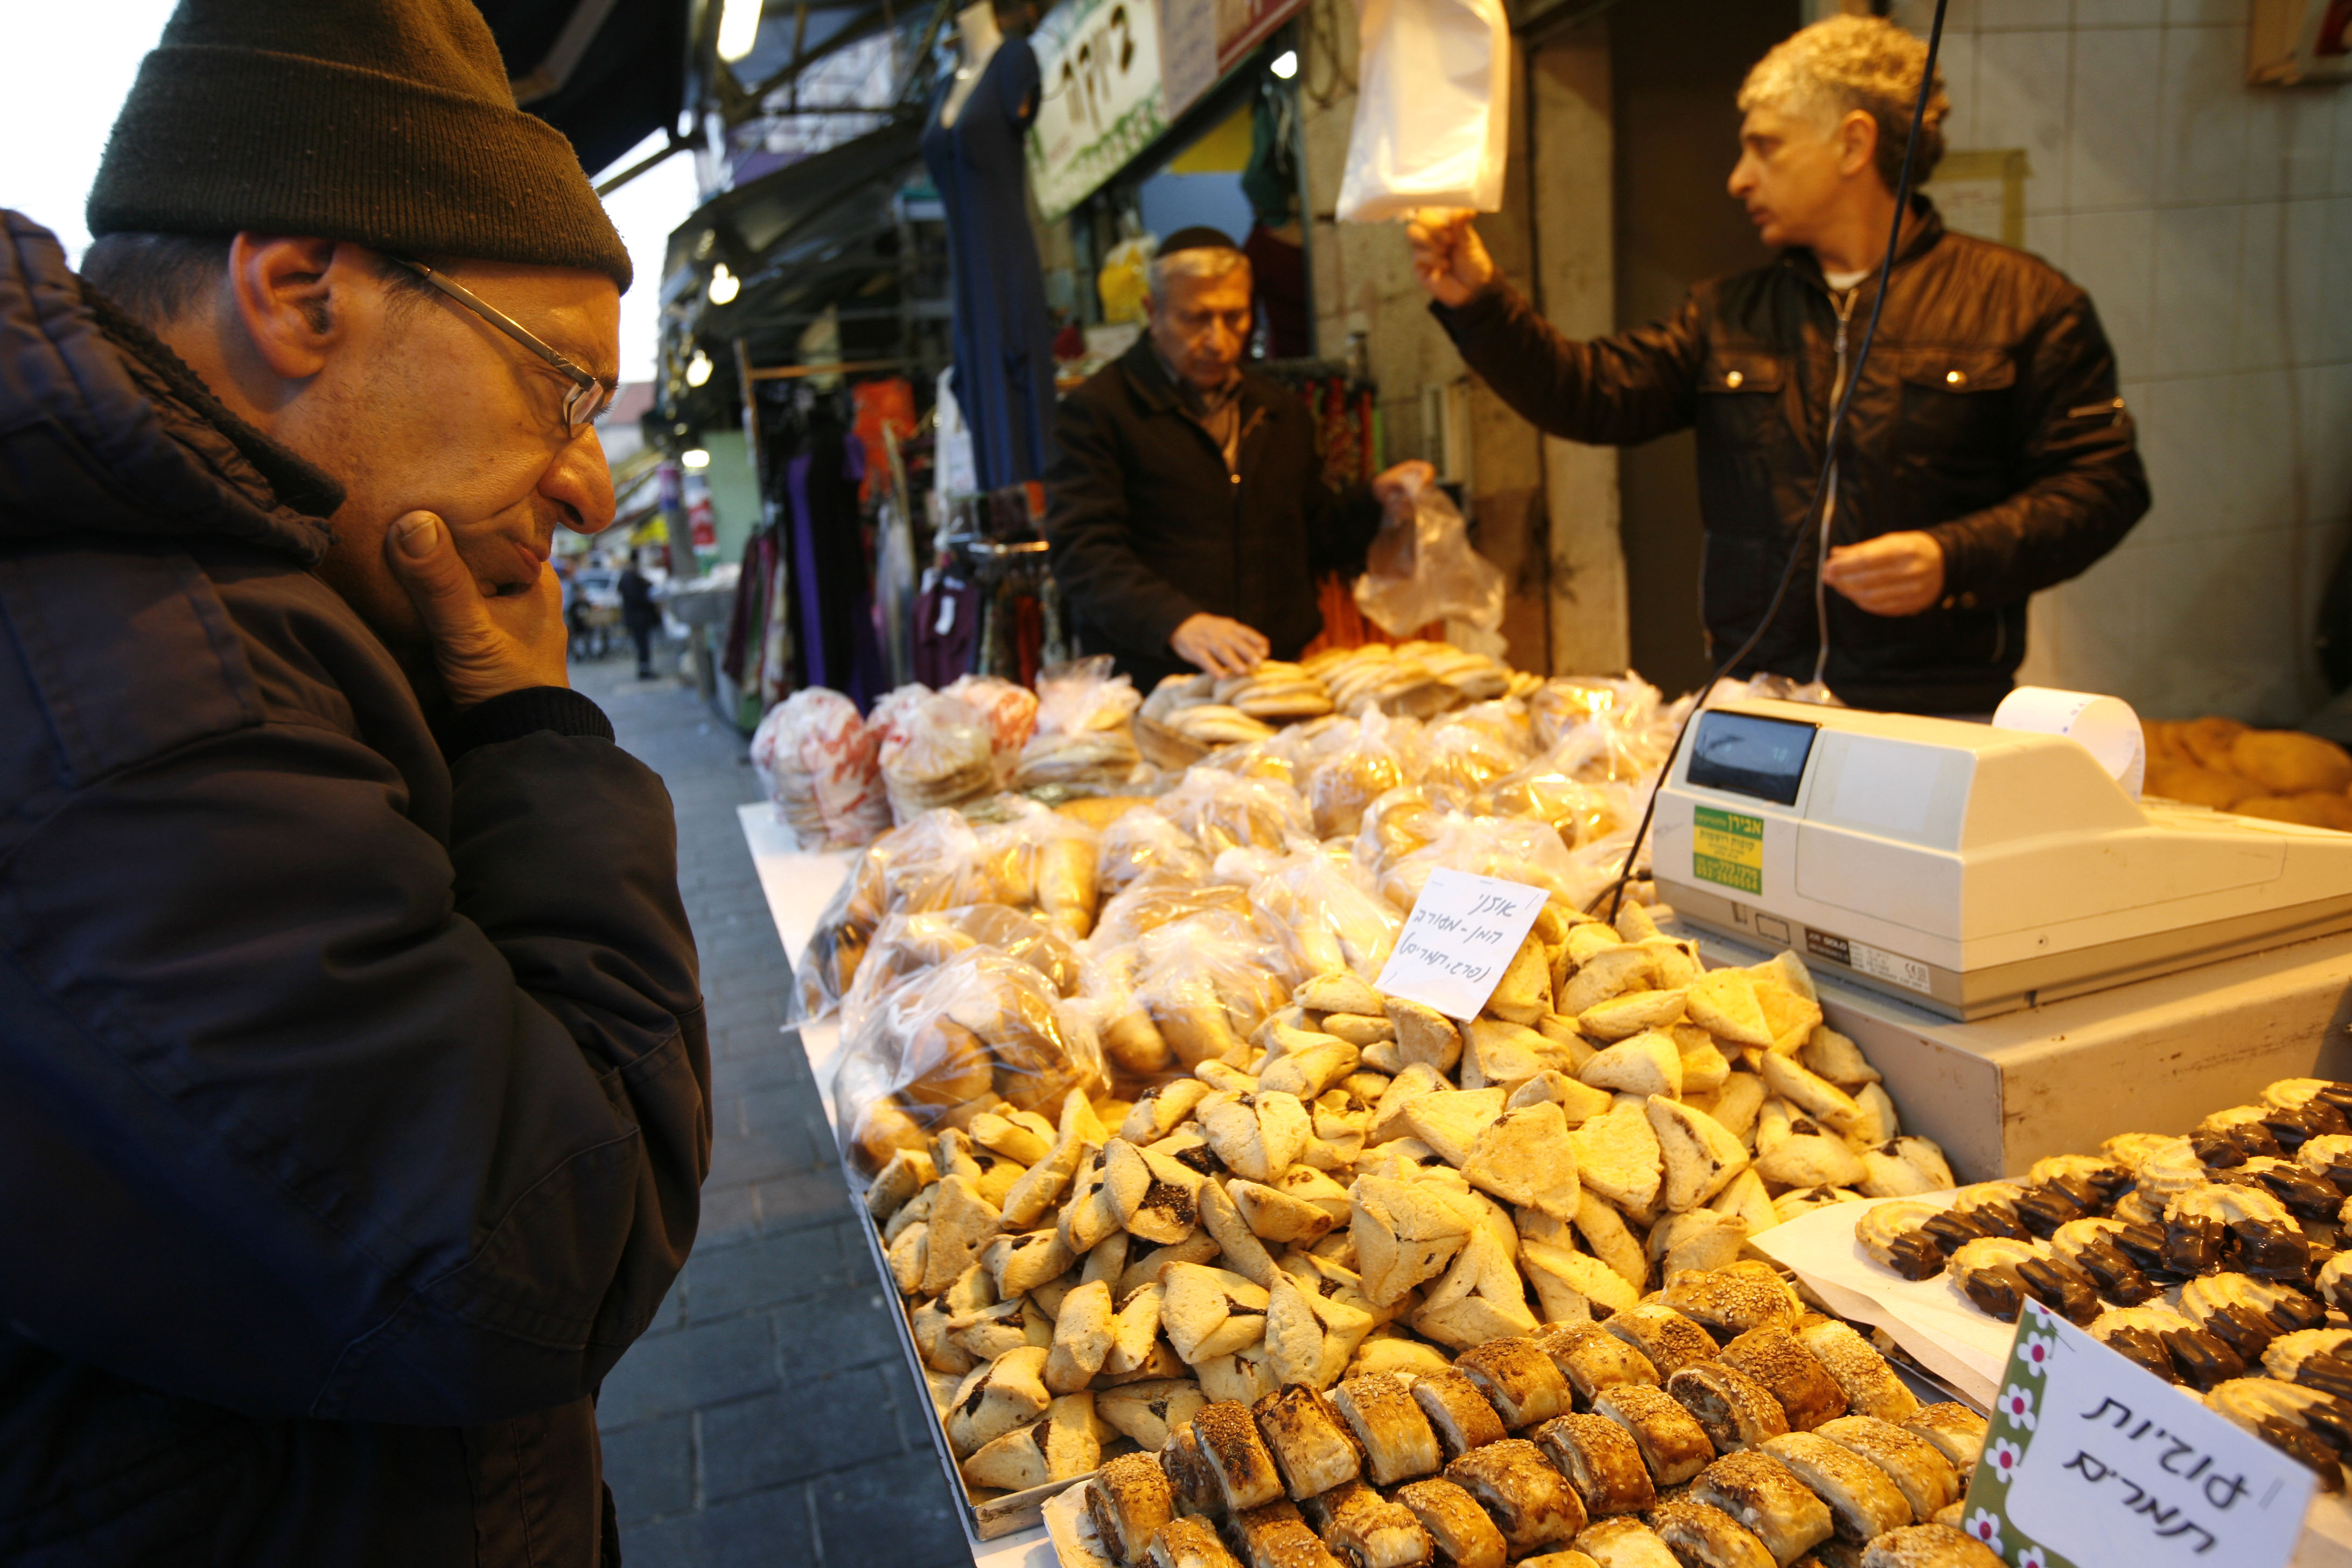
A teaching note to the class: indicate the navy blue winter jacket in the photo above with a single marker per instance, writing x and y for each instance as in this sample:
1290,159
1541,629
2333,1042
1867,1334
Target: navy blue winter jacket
352,1091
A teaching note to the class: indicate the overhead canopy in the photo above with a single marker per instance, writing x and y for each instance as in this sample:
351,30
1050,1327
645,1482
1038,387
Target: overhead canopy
606,73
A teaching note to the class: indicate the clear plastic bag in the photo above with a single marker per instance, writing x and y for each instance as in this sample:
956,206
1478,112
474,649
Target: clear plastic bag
980,1029
906,946
1511,850
820,763
1085,732
1156,899
1433,109
1009,710
936,752
930,863
1327,922
1208,981
1220,810
1144,840
1422,569
1351,776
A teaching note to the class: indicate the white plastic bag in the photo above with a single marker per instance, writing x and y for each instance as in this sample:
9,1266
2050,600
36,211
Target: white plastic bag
1422,569
1433,109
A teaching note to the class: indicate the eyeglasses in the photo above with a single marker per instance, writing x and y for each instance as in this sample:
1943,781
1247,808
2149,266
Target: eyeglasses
588,398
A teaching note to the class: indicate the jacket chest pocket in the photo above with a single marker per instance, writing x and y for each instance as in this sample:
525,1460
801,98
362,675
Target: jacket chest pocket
1740,422
1955,410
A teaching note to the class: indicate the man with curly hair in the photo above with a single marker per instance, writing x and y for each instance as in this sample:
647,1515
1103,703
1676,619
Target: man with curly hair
1985,455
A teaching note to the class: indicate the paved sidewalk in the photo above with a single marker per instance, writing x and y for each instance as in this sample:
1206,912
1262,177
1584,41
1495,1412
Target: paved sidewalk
768,1418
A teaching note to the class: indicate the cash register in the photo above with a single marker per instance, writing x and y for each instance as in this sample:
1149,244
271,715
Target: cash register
1966,869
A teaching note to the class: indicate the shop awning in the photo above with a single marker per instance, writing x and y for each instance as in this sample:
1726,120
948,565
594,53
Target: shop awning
606,73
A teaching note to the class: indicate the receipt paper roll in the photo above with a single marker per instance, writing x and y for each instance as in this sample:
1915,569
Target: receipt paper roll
2106,727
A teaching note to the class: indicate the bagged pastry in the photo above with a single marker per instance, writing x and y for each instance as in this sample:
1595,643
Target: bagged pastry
906,947
1512,849
1084,734
929,863
1328,921
1156,899
1358,772
1208,981
1220,811
936,752
1009,710
820,762
980,1029
1145,840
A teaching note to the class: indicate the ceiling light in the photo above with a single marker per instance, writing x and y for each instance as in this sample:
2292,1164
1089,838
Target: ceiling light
724,285
697,369
1286,64
695,457
738,29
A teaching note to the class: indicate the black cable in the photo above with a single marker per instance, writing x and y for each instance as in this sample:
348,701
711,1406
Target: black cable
1829,461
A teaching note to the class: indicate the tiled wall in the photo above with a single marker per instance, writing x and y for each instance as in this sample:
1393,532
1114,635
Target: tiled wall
2211,223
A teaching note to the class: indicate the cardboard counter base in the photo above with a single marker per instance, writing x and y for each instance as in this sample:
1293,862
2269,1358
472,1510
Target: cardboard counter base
2156,1056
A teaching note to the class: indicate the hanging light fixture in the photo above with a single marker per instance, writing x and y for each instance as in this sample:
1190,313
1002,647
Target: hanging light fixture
724,285
695,457
738,29
1286,64
697,369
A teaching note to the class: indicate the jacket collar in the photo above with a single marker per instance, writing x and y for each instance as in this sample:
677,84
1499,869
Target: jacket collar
108,433
1926,230
1150,378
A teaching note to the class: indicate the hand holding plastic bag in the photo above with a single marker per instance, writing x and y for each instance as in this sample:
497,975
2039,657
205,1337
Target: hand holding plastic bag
1433,109
1422,569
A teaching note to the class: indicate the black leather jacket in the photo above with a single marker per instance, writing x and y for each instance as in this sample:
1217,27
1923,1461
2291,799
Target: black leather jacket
1987,416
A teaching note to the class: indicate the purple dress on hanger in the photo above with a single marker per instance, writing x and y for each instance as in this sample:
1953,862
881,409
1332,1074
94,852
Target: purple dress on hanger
1004,340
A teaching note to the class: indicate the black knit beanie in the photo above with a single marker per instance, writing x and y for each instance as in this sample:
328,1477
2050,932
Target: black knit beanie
386,122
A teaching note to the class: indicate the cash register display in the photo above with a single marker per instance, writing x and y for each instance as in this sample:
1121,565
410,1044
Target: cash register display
1761,758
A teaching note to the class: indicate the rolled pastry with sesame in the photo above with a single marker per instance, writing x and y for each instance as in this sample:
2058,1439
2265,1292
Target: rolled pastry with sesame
1593,1358
1276,1536
1236,1457
1189,1543
1766,1496
1625,1542
1705,1537
1601,1461
1389,1426
1673,1446
1863,1501
1519,1379
1808,1395
1309,1445
1190,1479
1367,1529
1957,1432
1458,1528
1927,1480
1870,1384
1457,1412
1529,1501
1128,1500
1669,1341
1728,1301
1929,1546
1736,1411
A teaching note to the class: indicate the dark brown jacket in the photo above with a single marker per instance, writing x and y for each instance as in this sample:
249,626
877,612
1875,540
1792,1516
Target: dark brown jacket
1149,527
1987,416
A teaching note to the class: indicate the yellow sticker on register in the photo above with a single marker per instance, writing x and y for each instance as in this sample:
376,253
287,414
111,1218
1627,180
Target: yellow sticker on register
1727,848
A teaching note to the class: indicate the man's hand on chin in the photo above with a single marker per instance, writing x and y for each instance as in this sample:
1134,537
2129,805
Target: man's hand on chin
1894,574
1219,646
484,647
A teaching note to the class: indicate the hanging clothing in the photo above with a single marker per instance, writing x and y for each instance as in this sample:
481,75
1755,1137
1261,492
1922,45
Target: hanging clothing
833,588
1278,282
1004,337
947,628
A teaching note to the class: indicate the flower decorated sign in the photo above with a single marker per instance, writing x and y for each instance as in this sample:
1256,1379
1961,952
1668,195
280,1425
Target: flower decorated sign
2093,1460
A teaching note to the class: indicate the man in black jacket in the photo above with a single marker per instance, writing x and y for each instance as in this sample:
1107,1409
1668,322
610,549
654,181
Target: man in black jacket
353,1092
1985,455
1187,510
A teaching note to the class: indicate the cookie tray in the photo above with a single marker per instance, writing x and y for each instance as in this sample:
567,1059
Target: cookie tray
999,1516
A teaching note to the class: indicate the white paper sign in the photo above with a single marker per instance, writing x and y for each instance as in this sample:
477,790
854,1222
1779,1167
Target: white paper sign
2093,1460
1461,936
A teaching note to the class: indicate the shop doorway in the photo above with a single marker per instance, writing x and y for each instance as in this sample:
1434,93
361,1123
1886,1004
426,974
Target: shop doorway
1676,68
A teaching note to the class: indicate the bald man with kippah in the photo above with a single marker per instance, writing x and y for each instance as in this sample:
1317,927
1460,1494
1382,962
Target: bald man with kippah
353,1091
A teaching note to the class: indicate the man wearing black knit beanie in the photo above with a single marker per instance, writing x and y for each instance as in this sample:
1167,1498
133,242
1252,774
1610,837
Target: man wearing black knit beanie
353,1092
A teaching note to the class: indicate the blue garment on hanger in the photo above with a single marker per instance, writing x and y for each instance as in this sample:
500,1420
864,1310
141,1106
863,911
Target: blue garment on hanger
1004,339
